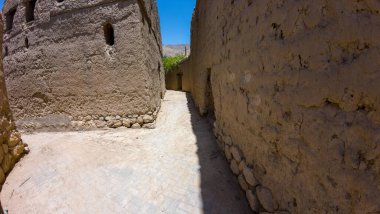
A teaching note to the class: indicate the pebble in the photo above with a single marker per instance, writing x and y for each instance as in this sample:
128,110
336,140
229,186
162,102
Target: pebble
242,165
252,200
140,120
249,177
236,154
133,120
100,123
110,123
266,198
149,126
234,167
14,139
18,150
148,119
117,124
228,140
136,126
126,123
227,152
242,182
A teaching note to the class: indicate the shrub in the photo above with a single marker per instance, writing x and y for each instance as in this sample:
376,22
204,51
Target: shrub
171,63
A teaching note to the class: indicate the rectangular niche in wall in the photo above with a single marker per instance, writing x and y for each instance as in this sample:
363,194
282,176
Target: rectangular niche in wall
109,34
29,12
9,17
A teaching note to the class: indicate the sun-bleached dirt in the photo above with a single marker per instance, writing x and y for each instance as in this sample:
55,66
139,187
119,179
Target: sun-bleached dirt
175,168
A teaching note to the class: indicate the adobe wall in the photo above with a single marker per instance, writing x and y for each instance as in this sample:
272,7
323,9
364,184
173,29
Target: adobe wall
172,79
295,90
59,67
185,68
11,147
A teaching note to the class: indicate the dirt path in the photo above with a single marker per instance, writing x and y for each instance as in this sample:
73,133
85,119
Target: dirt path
175,168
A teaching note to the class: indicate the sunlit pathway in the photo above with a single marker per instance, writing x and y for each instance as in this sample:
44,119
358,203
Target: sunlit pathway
175,168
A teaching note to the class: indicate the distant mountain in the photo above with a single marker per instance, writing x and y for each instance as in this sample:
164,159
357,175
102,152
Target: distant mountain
173,50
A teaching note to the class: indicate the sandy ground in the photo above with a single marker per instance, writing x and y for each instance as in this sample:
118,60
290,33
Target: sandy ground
175,168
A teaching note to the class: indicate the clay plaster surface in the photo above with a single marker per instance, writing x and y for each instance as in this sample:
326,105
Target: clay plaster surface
60,63
295,85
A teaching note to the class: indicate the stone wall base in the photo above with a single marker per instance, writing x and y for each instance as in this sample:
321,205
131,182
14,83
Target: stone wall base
259,197
11,150
63,122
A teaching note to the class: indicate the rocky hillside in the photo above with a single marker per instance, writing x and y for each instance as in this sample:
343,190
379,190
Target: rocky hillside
173,50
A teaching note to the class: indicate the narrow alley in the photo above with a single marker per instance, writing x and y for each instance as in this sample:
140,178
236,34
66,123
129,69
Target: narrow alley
175,168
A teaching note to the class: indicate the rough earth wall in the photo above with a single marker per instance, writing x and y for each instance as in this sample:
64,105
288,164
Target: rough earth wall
180,78
172,80
295,90
152,36
64,64
11,147
185,68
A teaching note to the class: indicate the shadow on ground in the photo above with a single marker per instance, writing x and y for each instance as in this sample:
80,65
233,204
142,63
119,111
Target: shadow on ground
214,170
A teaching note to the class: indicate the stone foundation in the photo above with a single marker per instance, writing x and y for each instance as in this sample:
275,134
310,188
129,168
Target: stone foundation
128,121
11,150
259,197
88,122
295,86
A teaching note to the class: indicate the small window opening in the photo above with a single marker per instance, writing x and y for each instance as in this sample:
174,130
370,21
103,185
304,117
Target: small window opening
29,13
6,51
9,19
179,81
26,42
59,0
109,34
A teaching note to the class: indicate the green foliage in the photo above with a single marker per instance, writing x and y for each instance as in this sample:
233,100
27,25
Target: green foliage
171,63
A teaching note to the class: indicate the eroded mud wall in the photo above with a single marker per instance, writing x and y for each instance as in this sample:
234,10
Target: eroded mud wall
180,78
78,59
294,86
153,44
11,147
185,68
173,80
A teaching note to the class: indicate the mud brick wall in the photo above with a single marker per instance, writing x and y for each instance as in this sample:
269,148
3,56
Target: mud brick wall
180,77
294,86
74,58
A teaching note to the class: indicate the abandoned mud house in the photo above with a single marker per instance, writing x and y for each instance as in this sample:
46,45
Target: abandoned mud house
94,62
294,89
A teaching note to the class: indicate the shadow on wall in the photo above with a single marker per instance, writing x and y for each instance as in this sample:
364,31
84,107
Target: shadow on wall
220,190
173,80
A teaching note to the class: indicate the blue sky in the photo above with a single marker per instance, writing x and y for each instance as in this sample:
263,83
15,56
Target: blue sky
175,18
